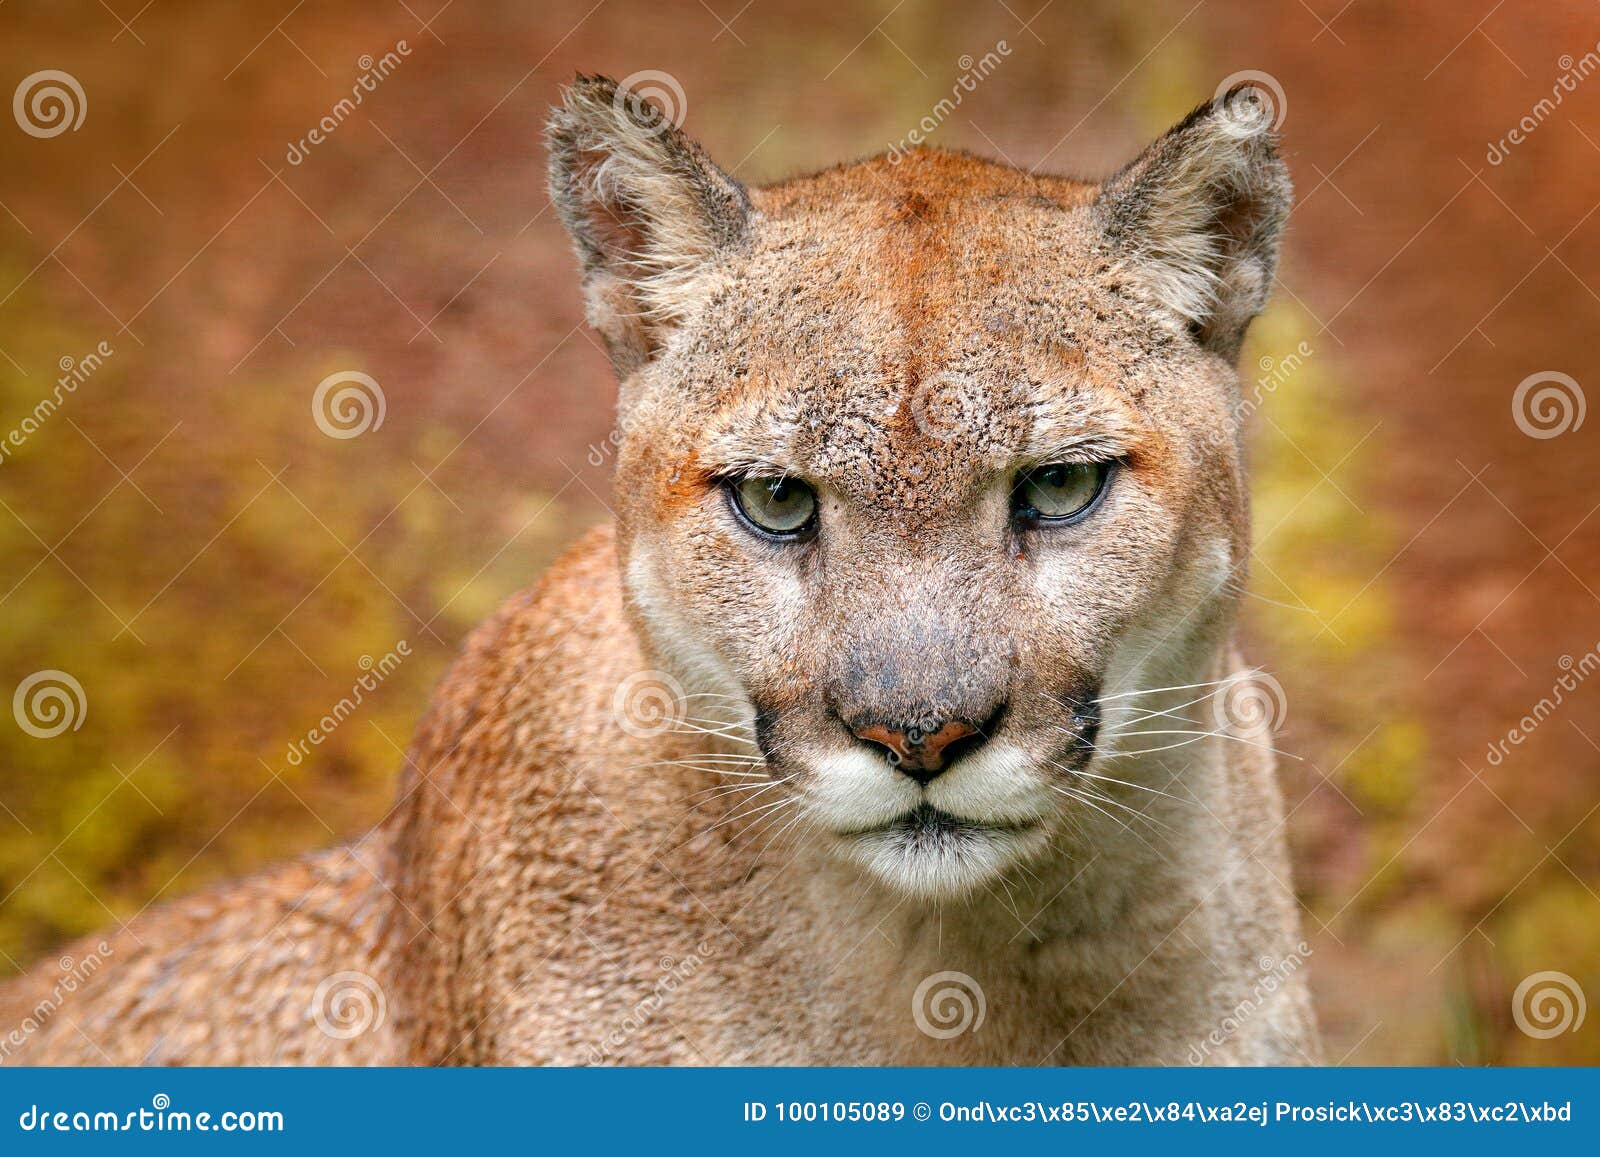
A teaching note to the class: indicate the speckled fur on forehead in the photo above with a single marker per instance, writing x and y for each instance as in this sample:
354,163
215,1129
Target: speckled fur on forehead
906,331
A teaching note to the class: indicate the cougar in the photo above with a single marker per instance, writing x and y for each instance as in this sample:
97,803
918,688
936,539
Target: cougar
897,718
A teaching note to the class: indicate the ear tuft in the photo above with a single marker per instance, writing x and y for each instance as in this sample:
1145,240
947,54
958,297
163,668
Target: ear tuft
1198,216
648,211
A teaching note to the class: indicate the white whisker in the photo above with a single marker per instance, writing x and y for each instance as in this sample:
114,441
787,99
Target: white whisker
1126,783
1176,687
1199,735
748,813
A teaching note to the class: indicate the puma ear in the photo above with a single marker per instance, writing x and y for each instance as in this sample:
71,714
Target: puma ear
648,210
1198,215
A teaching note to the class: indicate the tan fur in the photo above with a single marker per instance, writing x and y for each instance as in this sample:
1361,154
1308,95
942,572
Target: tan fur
562,881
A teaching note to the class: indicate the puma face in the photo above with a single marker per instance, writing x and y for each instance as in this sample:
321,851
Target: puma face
924,462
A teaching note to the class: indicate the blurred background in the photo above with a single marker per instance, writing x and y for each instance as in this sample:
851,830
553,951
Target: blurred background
215,218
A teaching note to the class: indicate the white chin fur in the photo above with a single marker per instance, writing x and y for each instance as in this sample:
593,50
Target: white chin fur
852,792
945,868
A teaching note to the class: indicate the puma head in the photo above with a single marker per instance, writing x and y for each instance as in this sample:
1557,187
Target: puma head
923,460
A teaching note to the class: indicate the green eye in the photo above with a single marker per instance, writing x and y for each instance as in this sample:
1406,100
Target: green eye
1059,492
785,507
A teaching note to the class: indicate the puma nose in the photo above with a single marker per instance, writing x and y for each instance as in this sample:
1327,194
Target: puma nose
923,754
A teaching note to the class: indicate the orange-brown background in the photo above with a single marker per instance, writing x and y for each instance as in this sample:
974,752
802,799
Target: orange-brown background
182,540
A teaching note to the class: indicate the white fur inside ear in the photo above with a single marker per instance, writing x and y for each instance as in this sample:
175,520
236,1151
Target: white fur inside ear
671,262
651,214
1196,219
1179,251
